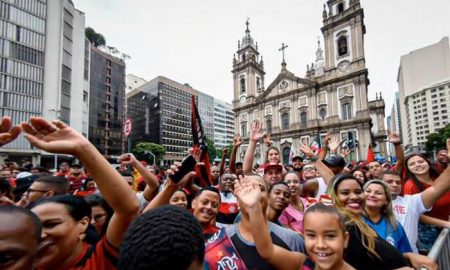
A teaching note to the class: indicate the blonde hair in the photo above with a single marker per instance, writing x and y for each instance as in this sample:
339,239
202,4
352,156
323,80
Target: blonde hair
387,209
368,235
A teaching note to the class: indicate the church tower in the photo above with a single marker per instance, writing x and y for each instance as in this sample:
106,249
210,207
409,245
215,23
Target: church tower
248,71
343,30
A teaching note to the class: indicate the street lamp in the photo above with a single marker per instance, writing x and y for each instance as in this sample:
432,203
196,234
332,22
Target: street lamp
154,157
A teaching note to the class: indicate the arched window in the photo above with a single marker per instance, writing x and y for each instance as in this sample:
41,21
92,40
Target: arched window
286,153
285,121
242,82
258,84
303,120
342,46
346,109
269,126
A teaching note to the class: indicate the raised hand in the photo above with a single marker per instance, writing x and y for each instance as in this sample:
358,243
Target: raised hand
394,138
128,159
346,152
8,133
224,151
195,152
256,131
327,138
55,137
334,145
247,192
307,151
238,140
174,168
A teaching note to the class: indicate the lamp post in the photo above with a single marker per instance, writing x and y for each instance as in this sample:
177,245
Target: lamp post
154,157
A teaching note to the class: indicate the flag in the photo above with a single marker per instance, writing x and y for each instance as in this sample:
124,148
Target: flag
200,141
316,145
292,154
370,154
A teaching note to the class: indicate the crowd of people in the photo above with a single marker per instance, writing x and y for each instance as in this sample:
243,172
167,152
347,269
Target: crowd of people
323,211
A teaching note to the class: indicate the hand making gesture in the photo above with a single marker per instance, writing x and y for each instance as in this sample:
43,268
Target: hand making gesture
256,131
7,132
238,140
394,138
247,192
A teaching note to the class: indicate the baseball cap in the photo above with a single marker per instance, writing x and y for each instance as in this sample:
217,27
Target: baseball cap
271,166
335,161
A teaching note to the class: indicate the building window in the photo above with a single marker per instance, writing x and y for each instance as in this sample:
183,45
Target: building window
286,153
285,121
340,8
242,83
258,84
322,113
346,111
269,126
342,46
303,120
244,129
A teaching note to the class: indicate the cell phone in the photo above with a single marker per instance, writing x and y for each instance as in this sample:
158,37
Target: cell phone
187,166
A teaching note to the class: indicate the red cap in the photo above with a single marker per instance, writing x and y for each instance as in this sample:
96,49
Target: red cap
271,166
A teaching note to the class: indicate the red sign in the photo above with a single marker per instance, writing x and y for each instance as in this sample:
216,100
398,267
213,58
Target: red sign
127,127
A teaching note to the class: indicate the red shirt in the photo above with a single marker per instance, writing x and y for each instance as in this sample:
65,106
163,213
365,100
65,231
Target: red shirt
441,208
102,256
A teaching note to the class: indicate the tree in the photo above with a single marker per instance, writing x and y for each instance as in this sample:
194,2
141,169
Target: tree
95,38
212,151
142,152
437,140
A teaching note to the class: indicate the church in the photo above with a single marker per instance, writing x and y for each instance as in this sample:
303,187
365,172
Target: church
331,96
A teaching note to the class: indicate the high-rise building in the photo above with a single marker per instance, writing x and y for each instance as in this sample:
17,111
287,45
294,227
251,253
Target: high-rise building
223,124
160,111
42,47
133,82
331,96
106,102
423,82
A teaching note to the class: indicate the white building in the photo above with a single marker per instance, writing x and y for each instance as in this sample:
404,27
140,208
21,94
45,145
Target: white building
42,51
223,124
133,82
421,72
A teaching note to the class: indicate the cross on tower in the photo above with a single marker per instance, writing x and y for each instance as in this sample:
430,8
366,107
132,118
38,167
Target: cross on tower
283,47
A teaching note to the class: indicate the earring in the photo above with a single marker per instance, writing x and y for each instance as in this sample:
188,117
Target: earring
82,236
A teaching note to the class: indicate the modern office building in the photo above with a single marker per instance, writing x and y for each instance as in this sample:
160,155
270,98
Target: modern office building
160,111
223,124
331,96
423,78
42,50
133,82
106,102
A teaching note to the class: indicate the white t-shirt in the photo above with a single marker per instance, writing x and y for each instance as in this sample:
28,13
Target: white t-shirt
322,187
408,210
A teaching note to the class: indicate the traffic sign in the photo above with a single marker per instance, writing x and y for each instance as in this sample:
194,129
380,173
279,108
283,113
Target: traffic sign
127,127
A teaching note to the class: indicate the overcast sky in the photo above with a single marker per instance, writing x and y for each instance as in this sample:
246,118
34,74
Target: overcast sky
193,41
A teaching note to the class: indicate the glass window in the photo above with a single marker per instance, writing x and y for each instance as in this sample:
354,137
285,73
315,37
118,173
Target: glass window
342,46
269,126
346,111
303,119
286,153
285,121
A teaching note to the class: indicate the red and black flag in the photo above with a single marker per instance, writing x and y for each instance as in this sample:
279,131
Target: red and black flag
204,172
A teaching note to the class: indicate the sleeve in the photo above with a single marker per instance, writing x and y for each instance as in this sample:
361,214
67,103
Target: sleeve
409,188
106,255
403,242
142,201
418,205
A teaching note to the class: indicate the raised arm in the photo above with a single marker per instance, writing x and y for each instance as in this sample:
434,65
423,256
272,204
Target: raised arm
440,186
256,133
326,141
237,141
222,161
324,171
250,195
149,178
394,138
57,137
8,133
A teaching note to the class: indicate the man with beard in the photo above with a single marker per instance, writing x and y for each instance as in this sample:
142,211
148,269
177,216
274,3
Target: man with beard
442,160
229,208
297,164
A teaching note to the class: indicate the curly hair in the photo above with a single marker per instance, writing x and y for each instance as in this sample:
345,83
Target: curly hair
168,237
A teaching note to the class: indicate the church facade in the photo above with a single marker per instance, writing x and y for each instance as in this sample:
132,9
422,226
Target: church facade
331,96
